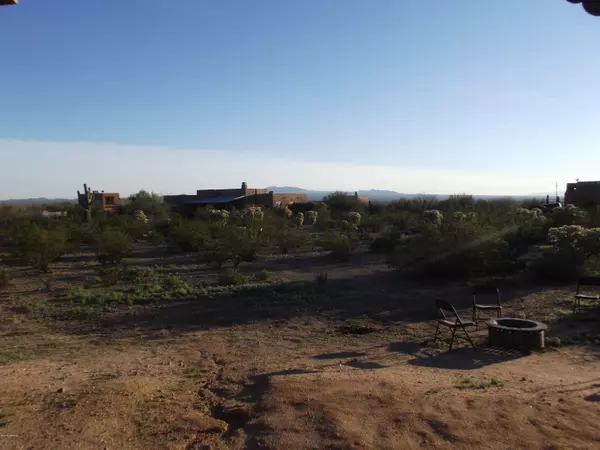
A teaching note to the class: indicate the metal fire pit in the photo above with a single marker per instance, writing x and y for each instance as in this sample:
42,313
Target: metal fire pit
517,334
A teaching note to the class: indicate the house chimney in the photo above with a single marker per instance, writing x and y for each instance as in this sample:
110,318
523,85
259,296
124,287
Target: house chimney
244,188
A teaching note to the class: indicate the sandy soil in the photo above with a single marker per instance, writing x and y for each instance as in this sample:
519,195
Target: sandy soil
350,367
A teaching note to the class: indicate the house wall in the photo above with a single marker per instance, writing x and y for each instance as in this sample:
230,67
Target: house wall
176,202
583,194
288,199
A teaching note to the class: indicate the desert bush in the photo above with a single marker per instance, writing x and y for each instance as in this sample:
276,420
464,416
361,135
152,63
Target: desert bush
236,244
175,284
453,249
433,216
149,202
252,212
299,220
140,216
291,239
188,236
340,202
38,246
353,218
112,246
324,220
557,265
572,247
340,244
111,275
232,277
568,215
310,217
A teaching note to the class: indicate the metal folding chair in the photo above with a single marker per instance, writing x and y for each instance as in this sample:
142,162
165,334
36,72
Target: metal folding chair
586,282
486,298
450,318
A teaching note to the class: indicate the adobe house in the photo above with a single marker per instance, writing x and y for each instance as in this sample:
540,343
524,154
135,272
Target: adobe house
230,199
104,201
583,193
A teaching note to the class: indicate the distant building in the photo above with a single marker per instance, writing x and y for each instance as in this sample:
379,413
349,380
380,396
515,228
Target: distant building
583,193
106,201
236,198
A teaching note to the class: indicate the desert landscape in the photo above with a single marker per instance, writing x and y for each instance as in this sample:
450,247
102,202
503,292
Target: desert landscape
293,348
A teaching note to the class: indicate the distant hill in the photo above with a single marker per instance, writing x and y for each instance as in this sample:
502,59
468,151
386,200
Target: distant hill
379,195
37,201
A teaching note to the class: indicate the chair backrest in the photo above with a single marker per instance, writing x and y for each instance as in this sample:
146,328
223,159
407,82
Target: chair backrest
445,307
486,290
588,281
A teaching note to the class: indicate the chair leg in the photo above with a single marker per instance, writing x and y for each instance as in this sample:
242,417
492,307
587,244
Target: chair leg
469,338
437,330
475,318
452,339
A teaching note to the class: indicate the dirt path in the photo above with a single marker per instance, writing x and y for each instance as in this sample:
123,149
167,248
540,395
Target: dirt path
275,386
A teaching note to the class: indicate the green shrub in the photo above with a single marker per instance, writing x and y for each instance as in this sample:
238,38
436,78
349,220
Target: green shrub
452,249
299,220
556,265
324,221
111,275
341,245
173,283
232,277
291,239
189,236
112,246
144,275
38,246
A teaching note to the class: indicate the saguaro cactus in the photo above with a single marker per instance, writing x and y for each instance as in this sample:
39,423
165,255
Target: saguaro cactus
86,200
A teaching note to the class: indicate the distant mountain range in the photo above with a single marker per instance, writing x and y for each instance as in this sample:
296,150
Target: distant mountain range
379,195
37,201
376,195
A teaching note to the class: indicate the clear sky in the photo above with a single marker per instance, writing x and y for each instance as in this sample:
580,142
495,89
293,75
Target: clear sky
438,96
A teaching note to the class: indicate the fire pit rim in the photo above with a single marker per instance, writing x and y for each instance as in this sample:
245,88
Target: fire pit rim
537,326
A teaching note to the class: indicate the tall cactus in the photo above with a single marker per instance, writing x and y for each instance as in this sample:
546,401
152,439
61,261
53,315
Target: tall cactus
86,201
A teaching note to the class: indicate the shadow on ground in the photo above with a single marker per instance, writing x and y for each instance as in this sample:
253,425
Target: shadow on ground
466,358
358,304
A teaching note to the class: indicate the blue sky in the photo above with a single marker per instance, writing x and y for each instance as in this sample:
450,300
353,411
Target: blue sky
431,96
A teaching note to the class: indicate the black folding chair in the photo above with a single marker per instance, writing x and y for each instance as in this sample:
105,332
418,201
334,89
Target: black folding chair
453,321
486,298
587,283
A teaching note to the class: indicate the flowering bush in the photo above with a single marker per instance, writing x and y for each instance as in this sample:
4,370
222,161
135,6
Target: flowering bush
433,216
354,218
218,215
140,216
568,215
299,219
459,216
251,212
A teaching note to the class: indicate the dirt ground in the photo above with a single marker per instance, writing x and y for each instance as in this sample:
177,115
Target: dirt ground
286,365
